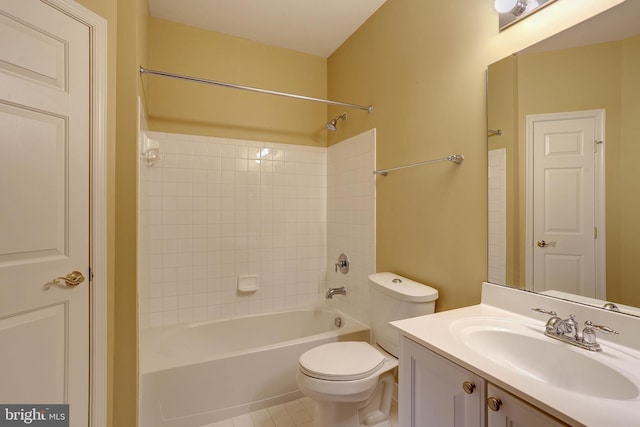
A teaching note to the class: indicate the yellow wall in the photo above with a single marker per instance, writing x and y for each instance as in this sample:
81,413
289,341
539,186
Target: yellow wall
132,26
422,65
176,106
126,21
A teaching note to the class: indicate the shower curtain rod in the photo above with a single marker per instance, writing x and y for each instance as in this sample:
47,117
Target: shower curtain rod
455,158
142,71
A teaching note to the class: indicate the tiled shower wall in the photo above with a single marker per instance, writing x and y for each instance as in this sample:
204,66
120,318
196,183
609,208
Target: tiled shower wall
351,222
214,209
497,232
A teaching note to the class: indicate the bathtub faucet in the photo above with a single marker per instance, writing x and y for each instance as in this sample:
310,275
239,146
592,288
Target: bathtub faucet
336,291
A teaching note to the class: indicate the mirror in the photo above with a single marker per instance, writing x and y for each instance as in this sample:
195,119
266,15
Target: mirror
565,164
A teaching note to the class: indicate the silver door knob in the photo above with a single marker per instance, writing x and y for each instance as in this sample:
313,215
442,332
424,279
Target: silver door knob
543,244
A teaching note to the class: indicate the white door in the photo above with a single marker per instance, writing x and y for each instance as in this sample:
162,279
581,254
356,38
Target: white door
44,215
566,176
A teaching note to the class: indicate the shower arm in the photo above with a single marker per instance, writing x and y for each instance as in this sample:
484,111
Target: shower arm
141,70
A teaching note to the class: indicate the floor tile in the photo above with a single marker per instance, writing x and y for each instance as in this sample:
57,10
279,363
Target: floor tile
298,413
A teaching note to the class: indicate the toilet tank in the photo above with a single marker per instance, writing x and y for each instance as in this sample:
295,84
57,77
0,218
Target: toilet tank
394,297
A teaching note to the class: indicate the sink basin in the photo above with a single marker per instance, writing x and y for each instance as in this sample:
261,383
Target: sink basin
525,349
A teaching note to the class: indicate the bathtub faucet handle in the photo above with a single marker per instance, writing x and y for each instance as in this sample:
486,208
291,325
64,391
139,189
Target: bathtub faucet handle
343,264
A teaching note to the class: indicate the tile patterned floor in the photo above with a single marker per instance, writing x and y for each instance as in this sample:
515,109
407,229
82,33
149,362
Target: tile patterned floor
298,413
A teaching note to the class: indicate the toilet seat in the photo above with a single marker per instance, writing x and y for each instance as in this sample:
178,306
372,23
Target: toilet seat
341,361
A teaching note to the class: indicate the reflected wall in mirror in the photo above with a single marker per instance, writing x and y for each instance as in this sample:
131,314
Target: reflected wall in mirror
592,68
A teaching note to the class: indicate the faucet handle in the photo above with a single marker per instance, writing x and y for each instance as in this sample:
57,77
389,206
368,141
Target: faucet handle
342,264
543,311
611,307
605,329
589,335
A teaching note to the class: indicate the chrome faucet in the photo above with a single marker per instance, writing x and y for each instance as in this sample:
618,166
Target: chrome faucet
336,291
567,331
570,329
611,307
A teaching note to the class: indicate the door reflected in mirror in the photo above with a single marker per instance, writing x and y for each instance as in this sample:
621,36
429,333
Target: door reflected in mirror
566,167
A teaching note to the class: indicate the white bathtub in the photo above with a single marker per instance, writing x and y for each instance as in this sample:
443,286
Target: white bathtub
195,374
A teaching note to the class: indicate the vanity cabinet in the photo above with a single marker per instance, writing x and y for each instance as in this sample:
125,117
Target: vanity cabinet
507,410
436,392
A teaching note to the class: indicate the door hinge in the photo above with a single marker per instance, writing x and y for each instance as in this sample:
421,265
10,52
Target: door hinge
595,146
595,232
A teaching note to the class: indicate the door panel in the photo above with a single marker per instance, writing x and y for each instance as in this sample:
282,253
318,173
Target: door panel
34,215
44,356
564,272
46,62
44,223
564,201
432,390
513,412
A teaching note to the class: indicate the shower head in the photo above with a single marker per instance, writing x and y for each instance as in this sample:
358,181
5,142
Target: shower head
333,124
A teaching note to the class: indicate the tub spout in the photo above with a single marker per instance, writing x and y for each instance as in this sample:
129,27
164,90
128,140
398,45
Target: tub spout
336,291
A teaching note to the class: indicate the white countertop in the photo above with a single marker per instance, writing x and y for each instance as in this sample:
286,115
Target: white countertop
435,332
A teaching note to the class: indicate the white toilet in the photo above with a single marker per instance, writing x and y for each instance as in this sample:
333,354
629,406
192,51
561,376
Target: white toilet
352,382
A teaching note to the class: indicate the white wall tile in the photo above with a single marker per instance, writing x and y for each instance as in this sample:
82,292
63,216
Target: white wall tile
351,220
214,208
497,208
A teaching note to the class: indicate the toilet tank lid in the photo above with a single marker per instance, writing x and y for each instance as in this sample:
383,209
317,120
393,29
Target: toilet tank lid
402,288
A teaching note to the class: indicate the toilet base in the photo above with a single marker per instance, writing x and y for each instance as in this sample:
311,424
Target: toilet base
374,412
333,414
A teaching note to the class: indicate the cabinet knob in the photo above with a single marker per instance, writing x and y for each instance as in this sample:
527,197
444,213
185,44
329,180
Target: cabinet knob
494,403
468,387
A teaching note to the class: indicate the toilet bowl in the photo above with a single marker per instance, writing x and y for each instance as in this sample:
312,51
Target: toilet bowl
352,383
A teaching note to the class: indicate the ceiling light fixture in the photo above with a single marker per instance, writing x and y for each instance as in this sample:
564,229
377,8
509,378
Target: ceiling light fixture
512,11
514,7
531,5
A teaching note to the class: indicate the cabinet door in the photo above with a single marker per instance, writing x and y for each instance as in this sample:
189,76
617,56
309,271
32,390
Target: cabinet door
506,410
432,391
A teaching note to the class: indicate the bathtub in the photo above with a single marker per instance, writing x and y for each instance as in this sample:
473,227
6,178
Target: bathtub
199,373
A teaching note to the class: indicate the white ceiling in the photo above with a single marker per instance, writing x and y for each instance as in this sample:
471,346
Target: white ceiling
316,27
